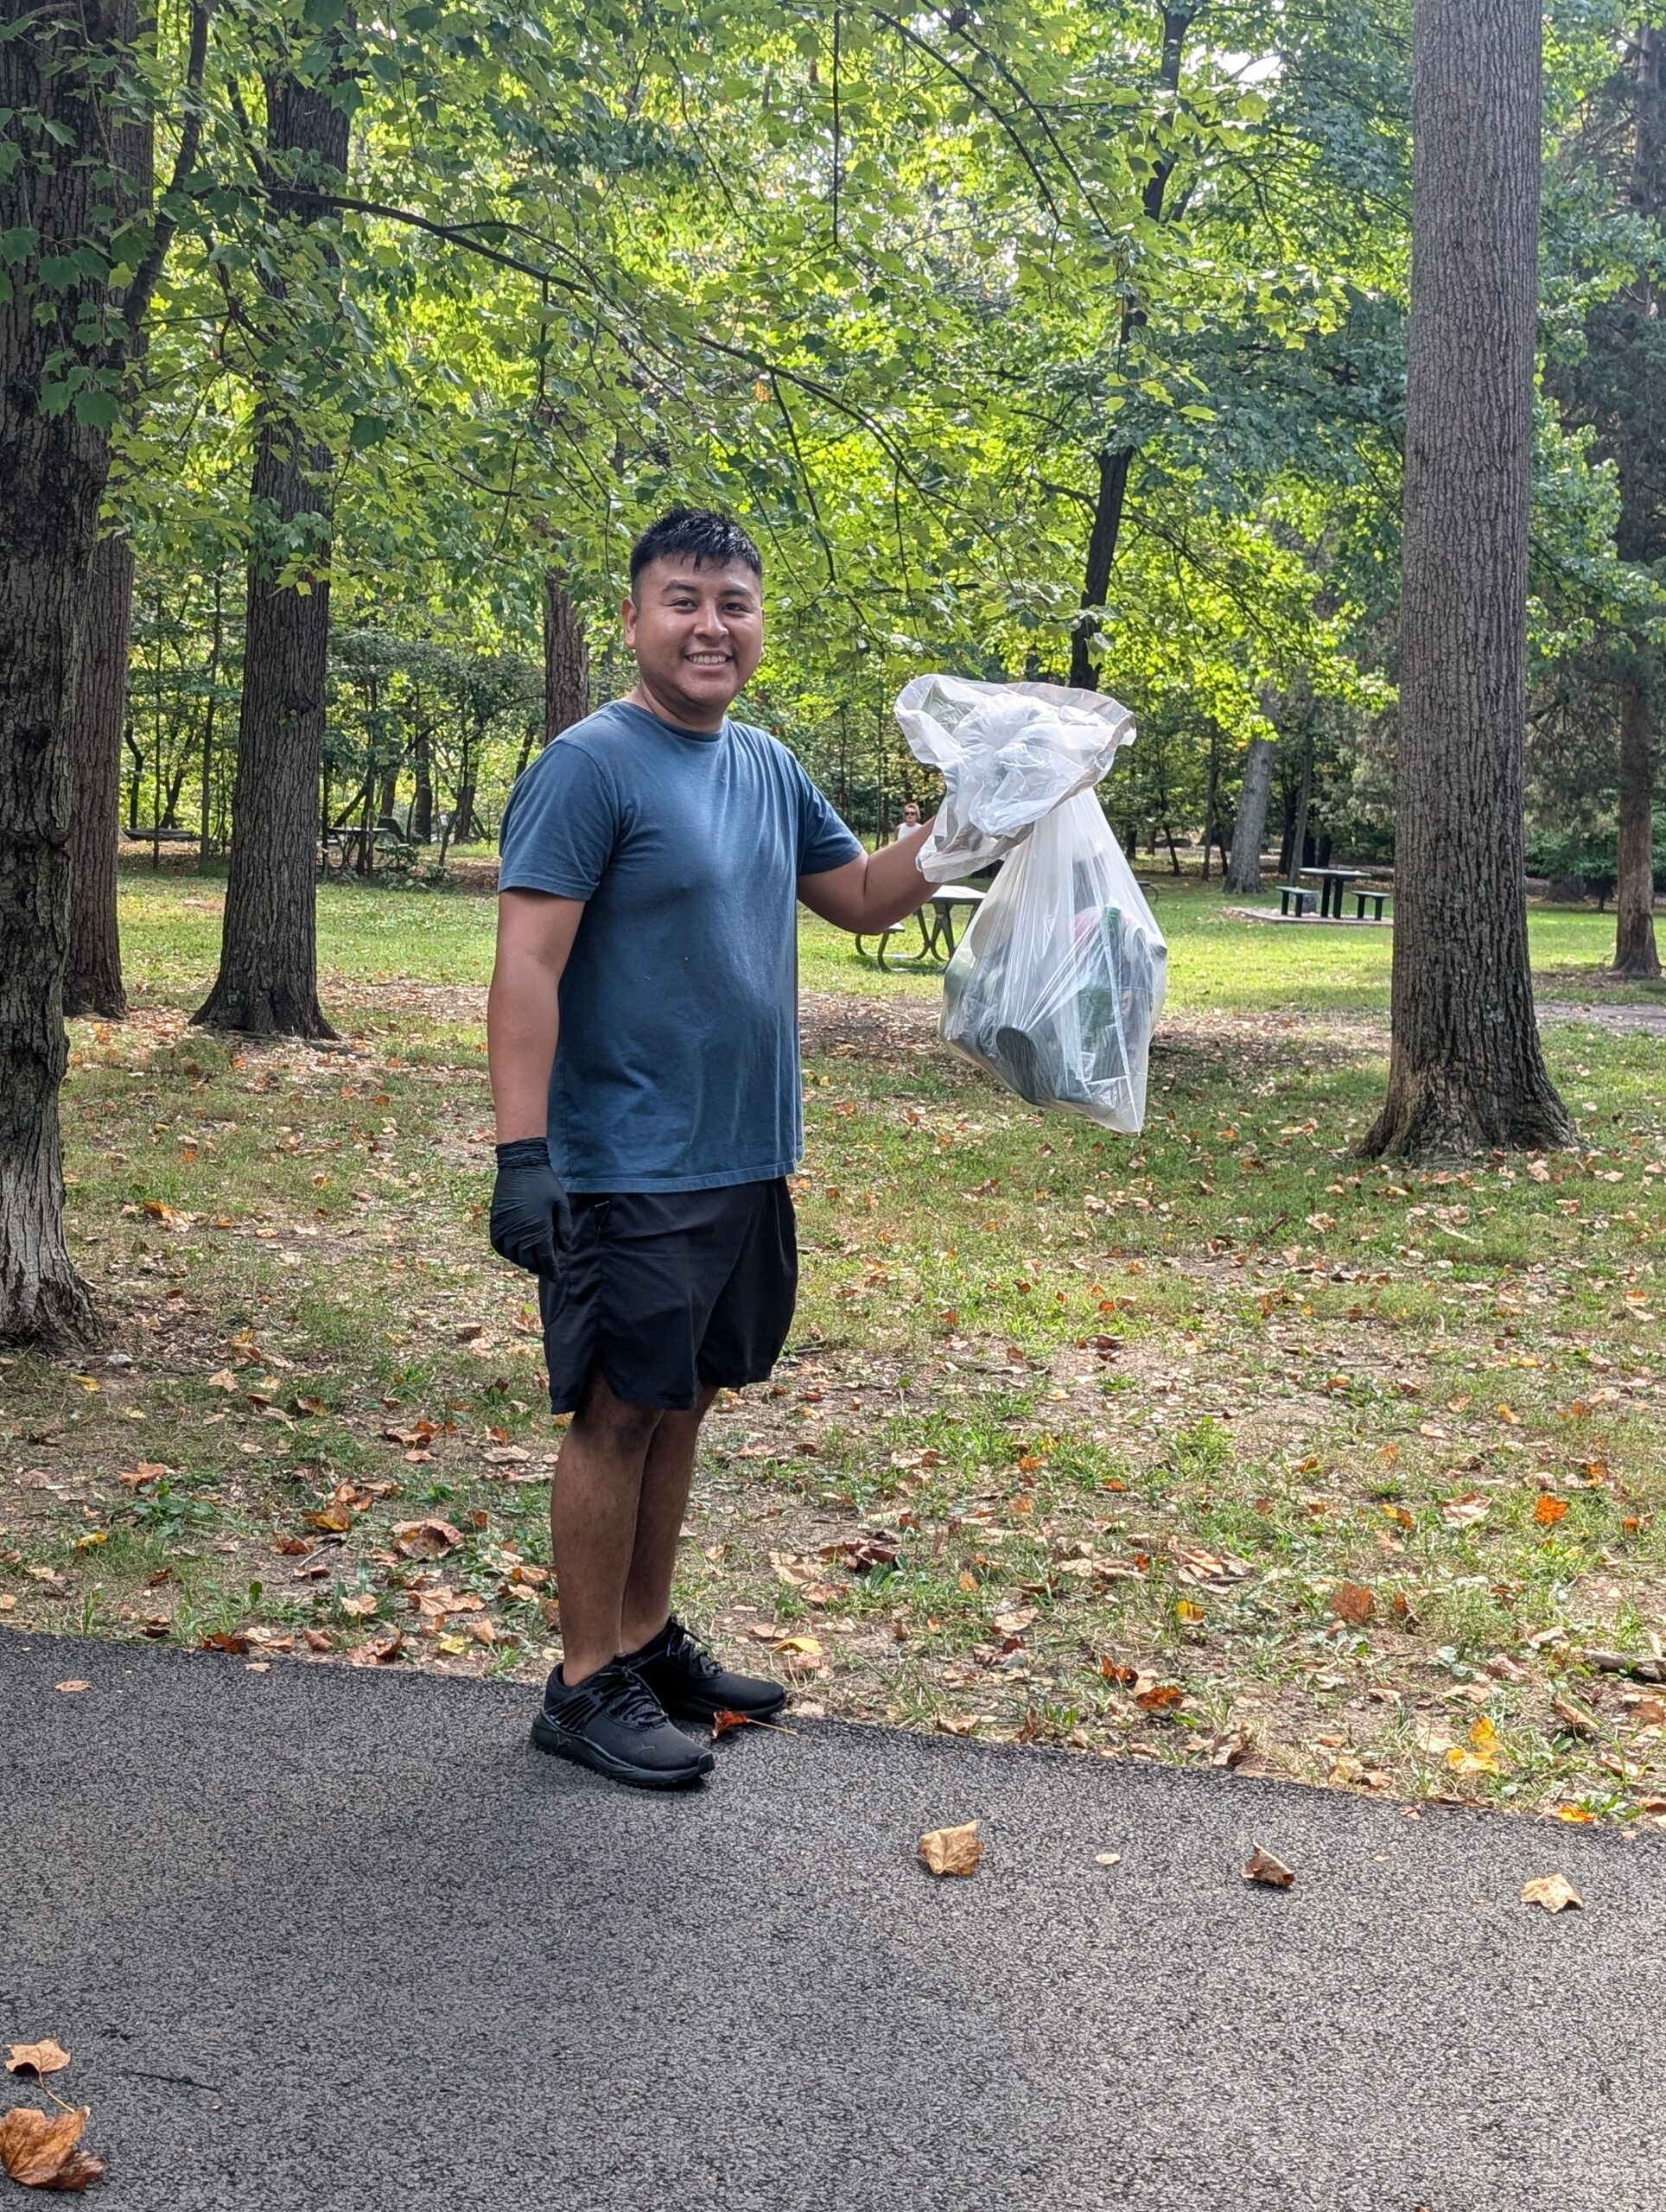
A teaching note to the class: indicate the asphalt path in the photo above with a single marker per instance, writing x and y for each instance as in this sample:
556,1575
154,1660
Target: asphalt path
328,1940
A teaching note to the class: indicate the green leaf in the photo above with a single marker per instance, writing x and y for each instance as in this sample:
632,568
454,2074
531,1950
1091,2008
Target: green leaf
100,410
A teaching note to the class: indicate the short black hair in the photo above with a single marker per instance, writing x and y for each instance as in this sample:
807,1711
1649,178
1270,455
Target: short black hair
703,535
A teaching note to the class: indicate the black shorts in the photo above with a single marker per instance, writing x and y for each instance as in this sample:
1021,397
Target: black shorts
668,1293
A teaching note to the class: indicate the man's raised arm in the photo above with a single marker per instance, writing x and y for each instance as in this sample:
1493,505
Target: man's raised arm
874,890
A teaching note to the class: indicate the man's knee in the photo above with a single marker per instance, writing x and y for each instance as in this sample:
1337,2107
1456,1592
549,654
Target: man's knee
613,1422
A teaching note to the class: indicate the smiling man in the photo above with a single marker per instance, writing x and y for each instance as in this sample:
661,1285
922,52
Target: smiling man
643,1042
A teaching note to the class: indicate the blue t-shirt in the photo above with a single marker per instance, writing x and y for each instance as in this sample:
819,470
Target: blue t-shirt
676,1067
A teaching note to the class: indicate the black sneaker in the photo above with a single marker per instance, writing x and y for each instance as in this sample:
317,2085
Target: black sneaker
614,1722
680,1670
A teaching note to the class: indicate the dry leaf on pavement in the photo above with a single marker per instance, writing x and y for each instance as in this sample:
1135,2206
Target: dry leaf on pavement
1553,1891
72,1689
1262,1866
952,1850
44,2057
38,2151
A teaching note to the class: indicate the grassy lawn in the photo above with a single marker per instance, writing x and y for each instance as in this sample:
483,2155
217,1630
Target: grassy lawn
1213,1443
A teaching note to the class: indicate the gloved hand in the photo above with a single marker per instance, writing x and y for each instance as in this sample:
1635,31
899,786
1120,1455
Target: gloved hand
532,1221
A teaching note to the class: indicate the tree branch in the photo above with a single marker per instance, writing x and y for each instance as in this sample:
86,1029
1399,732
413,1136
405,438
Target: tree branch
136,304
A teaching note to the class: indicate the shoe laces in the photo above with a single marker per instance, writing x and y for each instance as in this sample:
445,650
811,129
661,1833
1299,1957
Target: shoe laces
688,1650
622,1692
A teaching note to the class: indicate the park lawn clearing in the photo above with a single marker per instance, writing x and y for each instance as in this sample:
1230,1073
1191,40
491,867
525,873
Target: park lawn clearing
1213,1445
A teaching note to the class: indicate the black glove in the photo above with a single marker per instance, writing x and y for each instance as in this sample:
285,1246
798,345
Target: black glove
532,1221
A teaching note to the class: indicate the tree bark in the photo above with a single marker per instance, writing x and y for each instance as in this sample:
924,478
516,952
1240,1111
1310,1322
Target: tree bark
1304,808
268,980
1637,957
1244,871
93,970
1466,1072
566,659
53,467
422,760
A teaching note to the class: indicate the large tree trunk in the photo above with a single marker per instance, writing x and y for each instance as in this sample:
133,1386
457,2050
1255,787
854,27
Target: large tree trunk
268,980
1244,871
92,972
1466,1072
566,659
1636,955
421,761
53,468
1116,463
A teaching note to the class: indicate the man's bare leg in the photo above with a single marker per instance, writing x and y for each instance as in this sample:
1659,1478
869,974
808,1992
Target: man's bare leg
594,1501
667,1472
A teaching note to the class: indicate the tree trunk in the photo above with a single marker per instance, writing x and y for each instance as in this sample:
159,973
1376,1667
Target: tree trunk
53,468
422,758
268,980
1244,873
1636,955
204,844
92,971
1115,462
1304,809
566,659
1642,533
1466,1072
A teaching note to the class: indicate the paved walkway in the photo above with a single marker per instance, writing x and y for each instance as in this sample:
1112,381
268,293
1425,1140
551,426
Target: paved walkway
331,1942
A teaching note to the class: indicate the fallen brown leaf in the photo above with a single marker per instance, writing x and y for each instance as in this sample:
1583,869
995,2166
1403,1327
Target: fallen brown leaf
1353,1603
232,1640
430,1538
45,2057
1553,1891
38,2151
72,1689
1262,1866
952,1850
380,1653
723,1721
1547,1510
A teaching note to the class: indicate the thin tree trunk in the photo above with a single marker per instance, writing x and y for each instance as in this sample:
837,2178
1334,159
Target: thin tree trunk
1304,808
1116,463
205,843
93,970
1636,955
422,755
53,468
268,980
566,658
1244,871
1642,533
1466,1072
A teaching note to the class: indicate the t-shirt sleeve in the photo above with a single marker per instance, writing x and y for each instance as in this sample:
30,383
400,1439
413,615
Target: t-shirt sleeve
823,840
560,826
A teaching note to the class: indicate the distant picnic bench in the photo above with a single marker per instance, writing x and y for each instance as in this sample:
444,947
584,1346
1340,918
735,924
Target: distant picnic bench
1333,886
936,917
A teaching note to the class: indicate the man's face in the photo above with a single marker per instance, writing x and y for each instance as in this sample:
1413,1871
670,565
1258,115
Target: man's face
697,632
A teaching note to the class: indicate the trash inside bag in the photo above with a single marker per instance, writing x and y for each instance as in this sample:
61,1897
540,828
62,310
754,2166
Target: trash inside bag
1008,754
1057,986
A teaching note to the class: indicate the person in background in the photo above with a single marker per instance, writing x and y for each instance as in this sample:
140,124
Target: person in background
643,1040
909,819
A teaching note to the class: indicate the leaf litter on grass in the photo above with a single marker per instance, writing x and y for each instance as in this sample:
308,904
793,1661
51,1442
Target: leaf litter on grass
1170,1394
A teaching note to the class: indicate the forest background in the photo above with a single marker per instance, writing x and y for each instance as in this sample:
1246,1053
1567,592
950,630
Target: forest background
1029,341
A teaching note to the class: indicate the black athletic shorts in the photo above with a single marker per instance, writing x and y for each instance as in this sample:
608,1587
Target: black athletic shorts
671,1292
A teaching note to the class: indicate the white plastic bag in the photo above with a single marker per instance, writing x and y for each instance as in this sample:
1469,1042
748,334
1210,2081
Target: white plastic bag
1009,753
1057,986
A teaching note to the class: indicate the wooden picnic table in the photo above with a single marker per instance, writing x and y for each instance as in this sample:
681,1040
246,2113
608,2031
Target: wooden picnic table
936,917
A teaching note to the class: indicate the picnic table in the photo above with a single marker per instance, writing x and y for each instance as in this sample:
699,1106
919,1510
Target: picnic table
936,917
1332,882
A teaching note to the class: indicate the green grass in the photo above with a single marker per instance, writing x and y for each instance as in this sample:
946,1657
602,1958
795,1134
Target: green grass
1055,1372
